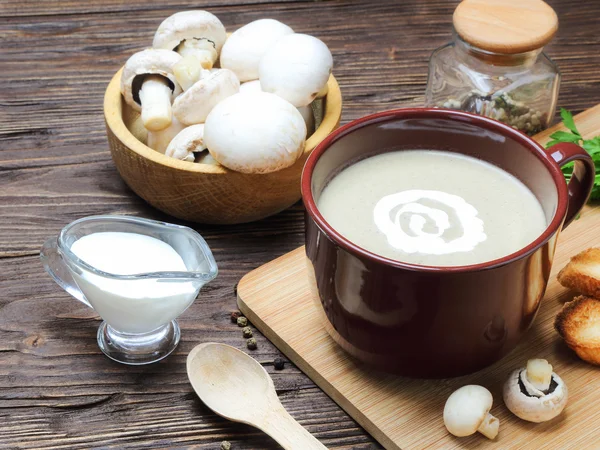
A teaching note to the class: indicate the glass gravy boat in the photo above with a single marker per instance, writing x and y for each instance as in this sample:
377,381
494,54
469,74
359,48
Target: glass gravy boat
139,311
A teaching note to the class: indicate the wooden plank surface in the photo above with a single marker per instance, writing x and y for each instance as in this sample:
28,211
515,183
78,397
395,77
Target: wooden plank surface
404,413
56,58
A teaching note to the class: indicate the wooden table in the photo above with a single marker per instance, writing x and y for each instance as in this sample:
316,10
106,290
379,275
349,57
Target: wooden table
56,388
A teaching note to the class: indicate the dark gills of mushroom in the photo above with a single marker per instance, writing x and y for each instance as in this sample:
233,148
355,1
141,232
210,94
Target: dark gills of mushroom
149,86
535,393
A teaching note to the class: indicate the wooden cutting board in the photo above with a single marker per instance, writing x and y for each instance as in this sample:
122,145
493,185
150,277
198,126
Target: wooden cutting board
407,413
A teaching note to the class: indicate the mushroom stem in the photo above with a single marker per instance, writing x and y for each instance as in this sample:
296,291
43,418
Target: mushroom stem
155,98
187,71
489,427
203,49
539,373
159,140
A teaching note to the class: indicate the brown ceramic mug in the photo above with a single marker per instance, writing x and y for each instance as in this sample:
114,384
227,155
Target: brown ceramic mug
436,321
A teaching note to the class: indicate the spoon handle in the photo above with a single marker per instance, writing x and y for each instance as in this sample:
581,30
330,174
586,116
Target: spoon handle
288,433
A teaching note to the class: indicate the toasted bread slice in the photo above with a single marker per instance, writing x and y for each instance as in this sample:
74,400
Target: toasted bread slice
582,274
578,323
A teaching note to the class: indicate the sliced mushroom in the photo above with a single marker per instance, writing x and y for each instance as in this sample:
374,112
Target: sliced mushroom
467,411
246,46
307,112
535,393
149,85
187,142
192,33
159,140
296,68
255,133
194,105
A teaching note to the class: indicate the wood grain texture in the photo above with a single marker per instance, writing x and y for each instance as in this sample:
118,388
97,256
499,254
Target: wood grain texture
506,26
56,389
403,413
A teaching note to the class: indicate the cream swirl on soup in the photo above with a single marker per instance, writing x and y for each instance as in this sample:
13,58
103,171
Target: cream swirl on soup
420,221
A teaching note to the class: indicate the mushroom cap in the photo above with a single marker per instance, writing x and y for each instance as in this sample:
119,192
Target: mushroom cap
466,408
247,45
306,111
250,86
189,24
186,142
536,407
255,132
296,68
194,105
146,62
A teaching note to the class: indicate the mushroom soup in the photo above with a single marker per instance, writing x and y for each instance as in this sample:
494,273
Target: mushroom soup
432,208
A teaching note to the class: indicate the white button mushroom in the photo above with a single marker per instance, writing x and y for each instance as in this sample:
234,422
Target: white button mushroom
189,141
255,133
194,105
246,46
306,111
197,33
467,411
149,85
535,393
296,68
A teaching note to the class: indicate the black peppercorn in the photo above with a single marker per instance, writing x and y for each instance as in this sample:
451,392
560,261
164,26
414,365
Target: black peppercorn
234,316
279,363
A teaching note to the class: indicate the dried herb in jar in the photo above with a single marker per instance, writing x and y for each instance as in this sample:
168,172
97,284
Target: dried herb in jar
501,107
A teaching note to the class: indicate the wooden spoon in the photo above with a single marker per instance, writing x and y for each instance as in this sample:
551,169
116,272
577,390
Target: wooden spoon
237,387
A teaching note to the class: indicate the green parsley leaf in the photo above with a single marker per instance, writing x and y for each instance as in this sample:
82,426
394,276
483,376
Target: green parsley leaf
565,136
569,122
592,146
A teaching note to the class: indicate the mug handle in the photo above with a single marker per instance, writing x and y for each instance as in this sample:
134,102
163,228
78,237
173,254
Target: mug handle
58,270
582,181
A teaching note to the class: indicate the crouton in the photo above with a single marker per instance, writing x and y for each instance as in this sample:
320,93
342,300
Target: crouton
582,274
578,323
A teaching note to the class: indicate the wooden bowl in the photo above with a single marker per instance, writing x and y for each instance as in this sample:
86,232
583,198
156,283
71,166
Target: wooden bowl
200,192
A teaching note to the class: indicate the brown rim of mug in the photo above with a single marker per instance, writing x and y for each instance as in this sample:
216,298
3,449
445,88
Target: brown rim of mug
460,116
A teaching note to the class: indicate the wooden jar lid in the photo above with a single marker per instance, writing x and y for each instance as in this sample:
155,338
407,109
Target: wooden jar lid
505,26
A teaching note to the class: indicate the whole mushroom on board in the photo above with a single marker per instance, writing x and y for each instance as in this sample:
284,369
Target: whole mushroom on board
296,68
194,33
535,393
245,47
194,105
467,411
149,85
255,133
306,111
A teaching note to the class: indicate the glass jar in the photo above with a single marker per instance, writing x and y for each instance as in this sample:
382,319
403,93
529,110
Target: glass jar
519,88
